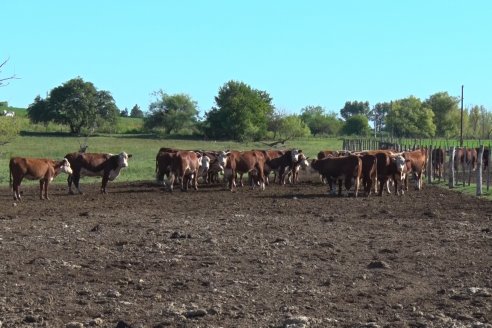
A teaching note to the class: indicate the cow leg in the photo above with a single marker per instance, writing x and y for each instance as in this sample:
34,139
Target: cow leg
104,183
69,182
261,177
340,183
76,181
41,185
15,189
172,177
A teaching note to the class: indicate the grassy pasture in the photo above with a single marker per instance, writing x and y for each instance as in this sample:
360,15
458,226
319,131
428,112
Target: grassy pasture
143,149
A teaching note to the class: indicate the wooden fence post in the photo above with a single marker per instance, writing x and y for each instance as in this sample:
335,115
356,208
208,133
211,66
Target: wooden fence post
430,173
479,171
488,167
451,167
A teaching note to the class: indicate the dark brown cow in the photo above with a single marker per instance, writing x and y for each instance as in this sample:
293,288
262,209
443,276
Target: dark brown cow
185,166
105,165
369,173
467,159
327,153
416,163
163,162
269,155
285,163
438,163
252,162
44,170
340,169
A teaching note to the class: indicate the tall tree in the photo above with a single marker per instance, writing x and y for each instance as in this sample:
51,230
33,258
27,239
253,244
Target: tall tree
77,104
354,108
356,125
445,109
378,116
292,126
241,113
172,113
409,118
136,112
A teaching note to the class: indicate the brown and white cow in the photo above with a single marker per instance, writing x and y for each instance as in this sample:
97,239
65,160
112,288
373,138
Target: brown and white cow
185,165
44,170
251,162
390,166
340,169
105,165
416,164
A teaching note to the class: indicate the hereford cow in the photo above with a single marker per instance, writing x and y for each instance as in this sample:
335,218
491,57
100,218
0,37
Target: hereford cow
185,166
416,163
107,166
390,166
285,163
252,162
44,170
340,169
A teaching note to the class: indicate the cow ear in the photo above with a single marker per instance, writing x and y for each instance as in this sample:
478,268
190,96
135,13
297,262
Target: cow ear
130,155
300,150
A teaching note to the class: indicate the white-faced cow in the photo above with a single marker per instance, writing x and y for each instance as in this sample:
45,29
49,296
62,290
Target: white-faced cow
185,166
44,170
105,165
252,162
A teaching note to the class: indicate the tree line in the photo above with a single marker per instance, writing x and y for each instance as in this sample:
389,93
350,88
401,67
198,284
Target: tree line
242,113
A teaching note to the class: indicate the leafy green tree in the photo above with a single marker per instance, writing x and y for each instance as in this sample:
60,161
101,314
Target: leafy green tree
136,112
241,113
378,116
124,113
172,113
409,118
319,122
446,111
77,104
292,126
275,123
354,108
356,125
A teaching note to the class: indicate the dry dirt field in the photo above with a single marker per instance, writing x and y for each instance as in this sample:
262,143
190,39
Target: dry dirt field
290,256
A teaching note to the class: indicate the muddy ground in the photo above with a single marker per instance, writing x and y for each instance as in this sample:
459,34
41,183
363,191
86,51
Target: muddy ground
289,256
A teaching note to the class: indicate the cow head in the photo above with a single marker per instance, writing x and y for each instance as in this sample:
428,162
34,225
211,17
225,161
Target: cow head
303,161
295,154
222,158
204,163
123,159
401,164
65,167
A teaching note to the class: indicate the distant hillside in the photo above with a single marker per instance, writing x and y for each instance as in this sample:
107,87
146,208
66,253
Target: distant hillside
125,124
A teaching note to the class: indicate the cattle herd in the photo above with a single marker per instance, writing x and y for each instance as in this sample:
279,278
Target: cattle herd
368,171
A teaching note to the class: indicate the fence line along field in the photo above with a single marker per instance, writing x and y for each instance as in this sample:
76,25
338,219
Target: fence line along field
288,256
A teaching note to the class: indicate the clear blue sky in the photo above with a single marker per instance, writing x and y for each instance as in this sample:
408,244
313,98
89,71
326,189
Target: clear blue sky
300,52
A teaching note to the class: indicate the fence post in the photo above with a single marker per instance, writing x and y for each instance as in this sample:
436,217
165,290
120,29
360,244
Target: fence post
479,171
451,167
488,167
430,173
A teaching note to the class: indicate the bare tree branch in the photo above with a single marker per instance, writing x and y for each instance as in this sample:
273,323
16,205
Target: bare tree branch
2,80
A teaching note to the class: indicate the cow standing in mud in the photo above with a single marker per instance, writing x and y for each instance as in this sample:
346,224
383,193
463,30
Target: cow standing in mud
44,170
105,165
